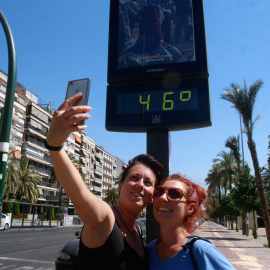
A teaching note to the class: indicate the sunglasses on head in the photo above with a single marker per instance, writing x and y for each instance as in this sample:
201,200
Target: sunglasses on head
174,194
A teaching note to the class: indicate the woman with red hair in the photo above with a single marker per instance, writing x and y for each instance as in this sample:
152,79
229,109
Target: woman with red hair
178,205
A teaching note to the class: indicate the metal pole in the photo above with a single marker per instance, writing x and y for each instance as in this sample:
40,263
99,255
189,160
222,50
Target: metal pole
6,118
157,146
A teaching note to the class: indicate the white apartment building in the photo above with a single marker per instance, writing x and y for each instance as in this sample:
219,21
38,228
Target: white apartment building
97,166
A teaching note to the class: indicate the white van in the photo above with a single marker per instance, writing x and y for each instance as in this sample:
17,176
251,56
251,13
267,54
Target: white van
5,221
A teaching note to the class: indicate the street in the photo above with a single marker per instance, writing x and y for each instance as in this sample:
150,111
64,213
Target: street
37,248
33,248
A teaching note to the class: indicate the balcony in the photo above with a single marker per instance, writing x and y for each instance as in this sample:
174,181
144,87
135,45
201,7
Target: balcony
95,188
46,172
37,158
35,142
99,164
39,119
98,180
50,198
48,186
36,130
98,155
98,173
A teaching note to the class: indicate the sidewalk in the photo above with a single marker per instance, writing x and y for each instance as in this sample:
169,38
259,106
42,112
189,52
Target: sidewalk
243,252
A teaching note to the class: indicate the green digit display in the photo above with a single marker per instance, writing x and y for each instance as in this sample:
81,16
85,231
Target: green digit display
188,93
145,102
166,101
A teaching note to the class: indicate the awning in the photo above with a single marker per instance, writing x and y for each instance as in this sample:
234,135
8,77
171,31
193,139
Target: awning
78,139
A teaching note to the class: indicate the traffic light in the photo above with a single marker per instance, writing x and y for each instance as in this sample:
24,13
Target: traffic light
12,130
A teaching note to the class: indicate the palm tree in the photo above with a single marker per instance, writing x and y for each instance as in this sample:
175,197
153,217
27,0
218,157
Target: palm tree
226,165
29,180
111,196
216,180
233,143
12,181
243,100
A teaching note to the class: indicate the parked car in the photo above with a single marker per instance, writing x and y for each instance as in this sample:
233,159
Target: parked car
66,258
142,220
5,222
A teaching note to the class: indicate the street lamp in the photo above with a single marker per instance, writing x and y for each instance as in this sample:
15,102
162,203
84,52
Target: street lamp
6,118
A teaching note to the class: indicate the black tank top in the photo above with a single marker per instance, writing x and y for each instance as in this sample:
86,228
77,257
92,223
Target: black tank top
115,254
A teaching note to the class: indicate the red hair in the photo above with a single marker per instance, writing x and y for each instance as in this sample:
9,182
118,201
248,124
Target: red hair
194,194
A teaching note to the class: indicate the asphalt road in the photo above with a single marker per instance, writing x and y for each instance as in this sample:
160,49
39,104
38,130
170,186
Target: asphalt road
33,248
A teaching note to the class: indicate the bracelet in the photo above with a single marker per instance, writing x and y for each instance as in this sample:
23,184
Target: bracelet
52,148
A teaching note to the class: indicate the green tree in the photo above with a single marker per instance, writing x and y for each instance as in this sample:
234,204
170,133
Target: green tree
215,180
111,196
50,213
28,180
227,165
233,143
243,100
12,180
245,194
12,208
229,208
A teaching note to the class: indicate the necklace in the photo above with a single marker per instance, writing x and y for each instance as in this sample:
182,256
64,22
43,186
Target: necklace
132,233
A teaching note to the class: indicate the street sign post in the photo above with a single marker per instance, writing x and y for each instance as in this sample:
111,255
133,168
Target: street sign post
157,74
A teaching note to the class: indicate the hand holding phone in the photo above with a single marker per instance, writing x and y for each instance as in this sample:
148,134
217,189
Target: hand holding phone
79,86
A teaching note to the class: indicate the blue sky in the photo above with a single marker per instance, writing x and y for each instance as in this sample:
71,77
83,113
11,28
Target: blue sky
57,41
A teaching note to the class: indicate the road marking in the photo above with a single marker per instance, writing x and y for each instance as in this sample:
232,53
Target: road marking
24,260
8,266
58,246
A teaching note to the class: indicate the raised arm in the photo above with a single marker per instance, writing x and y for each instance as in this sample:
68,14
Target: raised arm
95,214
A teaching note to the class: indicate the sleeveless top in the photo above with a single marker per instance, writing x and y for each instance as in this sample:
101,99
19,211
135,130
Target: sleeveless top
115,254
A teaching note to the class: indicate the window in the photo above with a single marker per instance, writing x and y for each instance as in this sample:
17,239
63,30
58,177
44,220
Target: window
20,114
19,126
17,140
77,149
3,87
22,100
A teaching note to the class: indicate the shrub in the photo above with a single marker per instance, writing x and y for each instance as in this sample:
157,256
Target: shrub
50,213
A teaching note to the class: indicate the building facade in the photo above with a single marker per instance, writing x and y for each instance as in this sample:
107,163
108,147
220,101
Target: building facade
97,166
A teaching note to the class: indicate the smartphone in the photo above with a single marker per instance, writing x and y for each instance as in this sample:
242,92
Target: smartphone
79,86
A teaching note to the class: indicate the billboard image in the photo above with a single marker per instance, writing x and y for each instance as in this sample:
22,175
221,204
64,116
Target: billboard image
156,39
155,32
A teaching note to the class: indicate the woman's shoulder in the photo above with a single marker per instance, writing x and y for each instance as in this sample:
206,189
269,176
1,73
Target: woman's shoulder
207,255
205,247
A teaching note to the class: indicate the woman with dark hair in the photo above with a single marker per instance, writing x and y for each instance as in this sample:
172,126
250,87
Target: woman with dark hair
178,204
110,238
